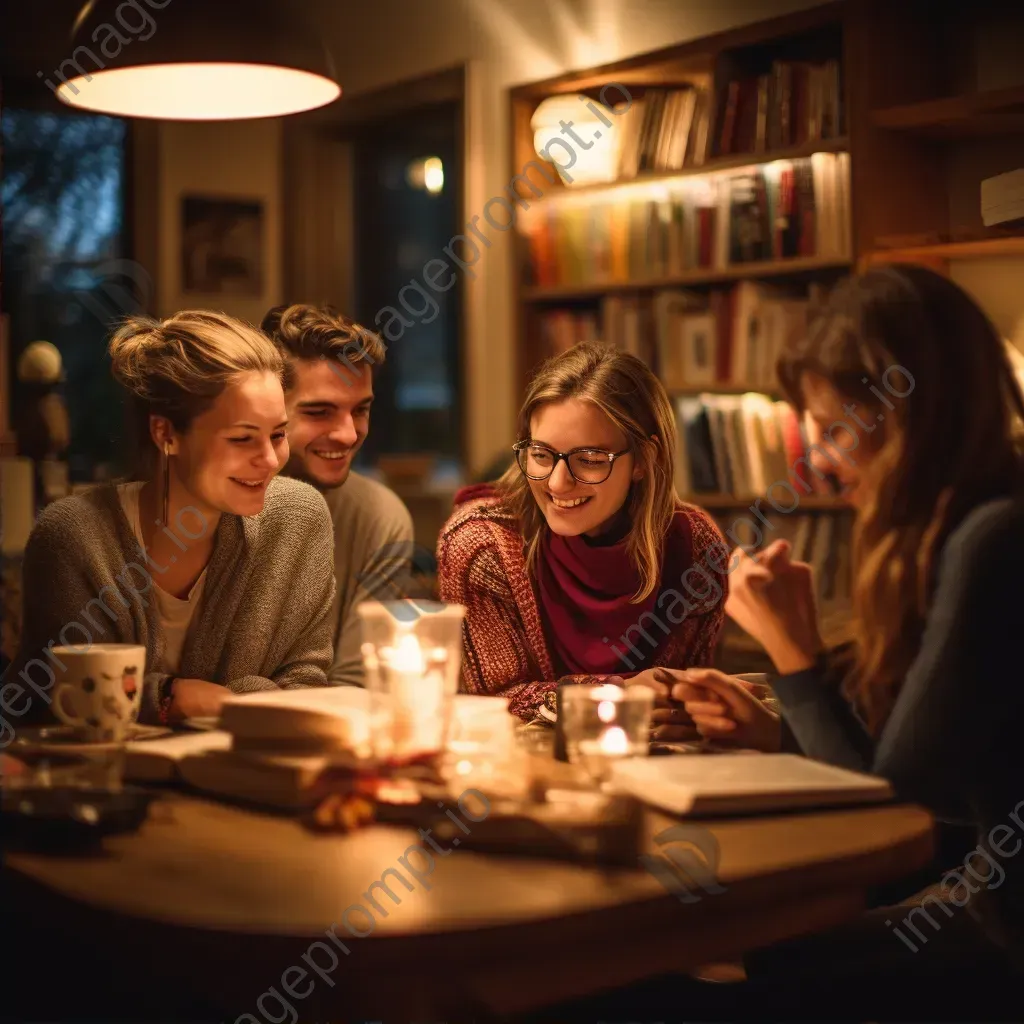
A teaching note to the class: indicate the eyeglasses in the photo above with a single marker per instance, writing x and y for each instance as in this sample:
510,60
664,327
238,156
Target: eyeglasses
585,465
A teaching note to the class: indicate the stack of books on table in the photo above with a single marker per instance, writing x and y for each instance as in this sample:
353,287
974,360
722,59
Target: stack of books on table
271,748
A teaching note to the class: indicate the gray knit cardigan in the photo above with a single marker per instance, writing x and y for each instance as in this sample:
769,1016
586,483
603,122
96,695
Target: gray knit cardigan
264,619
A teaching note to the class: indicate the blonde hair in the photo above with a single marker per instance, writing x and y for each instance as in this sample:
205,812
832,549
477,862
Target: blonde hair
627,392
178,367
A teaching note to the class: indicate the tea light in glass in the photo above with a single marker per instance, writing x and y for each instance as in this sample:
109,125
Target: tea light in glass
605,723
411,654
409,702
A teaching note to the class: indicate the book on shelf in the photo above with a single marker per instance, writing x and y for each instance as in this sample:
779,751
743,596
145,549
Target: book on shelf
777,211
741,445
664,130
823,539
795,103
730,338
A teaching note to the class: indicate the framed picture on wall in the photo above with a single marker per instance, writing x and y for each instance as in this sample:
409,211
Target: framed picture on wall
222,245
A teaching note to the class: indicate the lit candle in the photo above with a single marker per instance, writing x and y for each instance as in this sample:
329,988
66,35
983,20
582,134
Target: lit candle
416,697
614,742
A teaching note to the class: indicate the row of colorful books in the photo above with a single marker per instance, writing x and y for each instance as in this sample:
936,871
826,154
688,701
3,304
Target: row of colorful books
823,539
745,446
795,103
777,211
729,338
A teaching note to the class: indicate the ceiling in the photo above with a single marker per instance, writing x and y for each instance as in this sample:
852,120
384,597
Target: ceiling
34,36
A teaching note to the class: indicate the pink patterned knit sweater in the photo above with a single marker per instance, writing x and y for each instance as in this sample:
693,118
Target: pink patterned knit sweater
481,565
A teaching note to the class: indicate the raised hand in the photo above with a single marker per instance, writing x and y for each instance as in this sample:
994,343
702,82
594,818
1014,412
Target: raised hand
772,598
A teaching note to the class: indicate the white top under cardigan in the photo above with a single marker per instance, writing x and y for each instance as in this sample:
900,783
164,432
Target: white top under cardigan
176,613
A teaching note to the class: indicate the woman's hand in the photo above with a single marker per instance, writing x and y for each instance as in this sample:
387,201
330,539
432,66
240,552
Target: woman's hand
669,721
727,709
196,698
772,598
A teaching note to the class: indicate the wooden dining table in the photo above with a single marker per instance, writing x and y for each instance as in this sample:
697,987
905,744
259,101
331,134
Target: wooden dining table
214,911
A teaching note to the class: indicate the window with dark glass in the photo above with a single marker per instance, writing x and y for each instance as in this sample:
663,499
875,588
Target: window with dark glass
66,277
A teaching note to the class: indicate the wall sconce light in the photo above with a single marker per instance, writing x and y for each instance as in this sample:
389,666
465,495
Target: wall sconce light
427,174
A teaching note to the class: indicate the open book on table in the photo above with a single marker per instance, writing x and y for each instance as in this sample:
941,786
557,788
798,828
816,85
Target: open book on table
743,783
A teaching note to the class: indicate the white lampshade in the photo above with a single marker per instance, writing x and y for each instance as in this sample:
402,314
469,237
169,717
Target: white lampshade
194,60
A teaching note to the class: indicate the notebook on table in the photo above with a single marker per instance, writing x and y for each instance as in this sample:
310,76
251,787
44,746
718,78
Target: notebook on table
744,783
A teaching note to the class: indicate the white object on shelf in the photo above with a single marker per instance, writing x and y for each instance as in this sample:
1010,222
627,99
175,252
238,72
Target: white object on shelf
1002,198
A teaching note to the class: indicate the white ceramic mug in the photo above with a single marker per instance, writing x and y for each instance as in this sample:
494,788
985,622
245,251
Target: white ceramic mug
99,689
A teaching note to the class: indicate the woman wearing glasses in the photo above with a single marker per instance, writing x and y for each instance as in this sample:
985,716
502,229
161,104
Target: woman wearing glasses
582,561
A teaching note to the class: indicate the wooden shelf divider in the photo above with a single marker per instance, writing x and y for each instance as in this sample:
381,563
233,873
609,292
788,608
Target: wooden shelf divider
709,275
996,112
716,165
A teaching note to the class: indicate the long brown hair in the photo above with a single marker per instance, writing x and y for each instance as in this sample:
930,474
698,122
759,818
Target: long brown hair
627,392
934,375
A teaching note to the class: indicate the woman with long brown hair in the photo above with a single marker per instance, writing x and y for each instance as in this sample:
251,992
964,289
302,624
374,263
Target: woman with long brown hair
582,561
908,393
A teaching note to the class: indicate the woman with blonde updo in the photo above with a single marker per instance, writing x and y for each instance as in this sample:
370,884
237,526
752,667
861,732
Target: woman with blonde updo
218,567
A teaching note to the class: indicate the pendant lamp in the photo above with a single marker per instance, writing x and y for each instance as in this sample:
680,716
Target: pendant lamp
194,60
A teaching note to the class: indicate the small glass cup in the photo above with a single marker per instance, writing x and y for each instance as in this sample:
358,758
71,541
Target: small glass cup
604,724
482,749
412,656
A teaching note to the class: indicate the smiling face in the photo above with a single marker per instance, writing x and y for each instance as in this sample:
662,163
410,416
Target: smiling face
823,411
231,452
328,420
573,508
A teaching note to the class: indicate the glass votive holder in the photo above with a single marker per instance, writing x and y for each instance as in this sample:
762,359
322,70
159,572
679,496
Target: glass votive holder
605,723
482,751
410,706
433,623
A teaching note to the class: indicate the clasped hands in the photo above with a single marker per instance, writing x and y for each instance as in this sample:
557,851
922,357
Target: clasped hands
772,598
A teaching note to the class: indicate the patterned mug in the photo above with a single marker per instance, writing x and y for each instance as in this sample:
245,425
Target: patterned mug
99,689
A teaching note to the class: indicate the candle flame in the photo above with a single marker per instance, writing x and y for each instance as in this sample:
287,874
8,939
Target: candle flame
606,711
407,656
614,741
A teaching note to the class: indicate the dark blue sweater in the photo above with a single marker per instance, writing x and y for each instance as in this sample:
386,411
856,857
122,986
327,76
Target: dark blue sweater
954,740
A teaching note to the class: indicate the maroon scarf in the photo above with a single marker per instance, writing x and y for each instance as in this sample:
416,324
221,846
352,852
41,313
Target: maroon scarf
583,593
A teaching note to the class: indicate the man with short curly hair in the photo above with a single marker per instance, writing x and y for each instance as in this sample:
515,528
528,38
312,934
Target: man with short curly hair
332,362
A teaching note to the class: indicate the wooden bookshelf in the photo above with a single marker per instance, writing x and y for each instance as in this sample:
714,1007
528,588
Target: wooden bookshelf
933,113
995,112
714,166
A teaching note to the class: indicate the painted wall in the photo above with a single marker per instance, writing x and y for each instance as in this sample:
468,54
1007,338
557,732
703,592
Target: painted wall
996,286
235,160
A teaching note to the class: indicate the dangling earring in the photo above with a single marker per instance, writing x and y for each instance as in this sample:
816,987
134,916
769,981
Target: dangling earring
167,483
